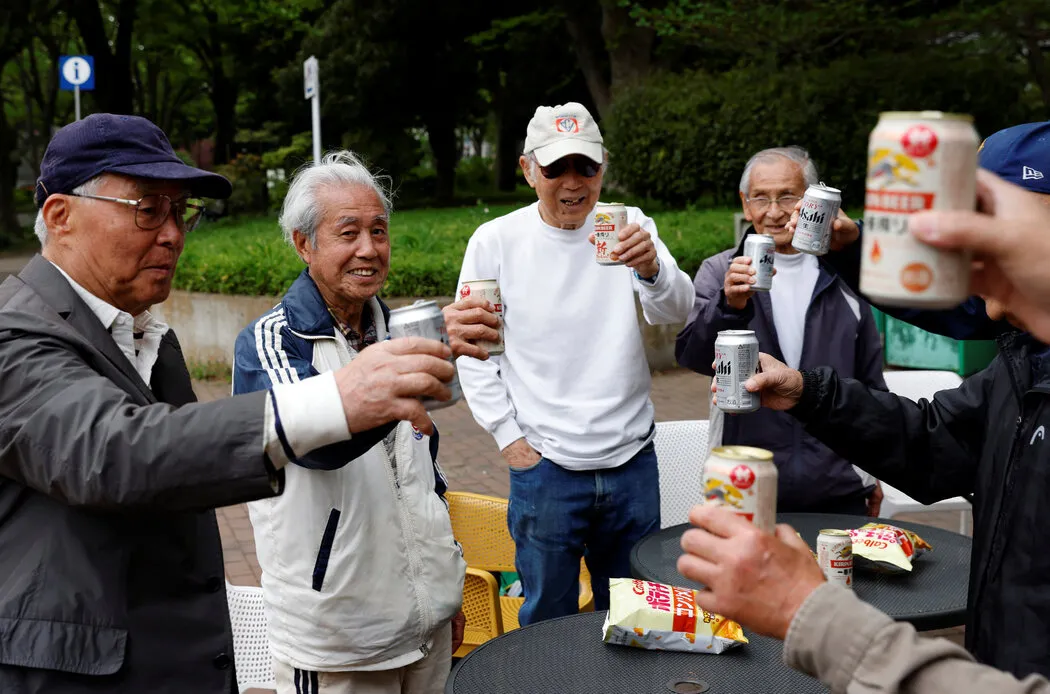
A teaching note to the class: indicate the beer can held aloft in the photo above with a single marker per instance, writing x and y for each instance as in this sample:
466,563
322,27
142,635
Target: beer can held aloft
609,219
762,251
736,360
744,479
820,207
488,290
918,161
835,556
424,319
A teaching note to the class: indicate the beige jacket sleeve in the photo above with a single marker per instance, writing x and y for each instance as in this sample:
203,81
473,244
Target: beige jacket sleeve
854,648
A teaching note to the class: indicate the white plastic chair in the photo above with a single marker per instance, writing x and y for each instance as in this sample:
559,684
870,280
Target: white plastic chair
251,647
680,448
916,385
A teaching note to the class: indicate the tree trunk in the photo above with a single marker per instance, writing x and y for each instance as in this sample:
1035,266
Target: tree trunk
113,88
583,24
442,134
507,151
10,231
224,101
630,46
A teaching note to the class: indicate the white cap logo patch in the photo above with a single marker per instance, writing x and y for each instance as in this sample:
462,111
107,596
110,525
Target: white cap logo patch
566,124
1028,174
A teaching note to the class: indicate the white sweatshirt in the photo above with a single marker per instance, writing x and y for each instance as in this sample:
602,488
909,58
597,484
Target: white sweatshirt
574,380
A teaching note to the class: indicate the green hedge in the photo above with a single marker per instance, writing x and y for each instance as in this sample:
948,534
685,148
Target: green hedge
250,257
684,137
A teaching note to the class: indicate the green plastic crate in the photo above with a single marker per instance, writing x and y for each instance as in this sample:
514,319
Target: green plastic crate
880,323
911,347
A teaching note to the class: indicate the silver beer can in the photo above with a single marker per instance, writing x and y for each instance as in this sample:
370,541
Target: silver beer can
835,556
424,319
762,251
820,207
736,360
488,290
609,219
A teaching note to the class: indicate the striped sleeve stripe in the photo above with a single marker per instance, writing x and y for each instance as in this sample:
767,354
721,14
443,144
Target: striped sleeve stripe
269,348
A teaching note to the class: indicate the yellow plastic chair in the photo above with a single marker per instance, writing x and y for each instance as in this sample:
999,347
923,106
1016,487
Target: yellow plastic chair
479,523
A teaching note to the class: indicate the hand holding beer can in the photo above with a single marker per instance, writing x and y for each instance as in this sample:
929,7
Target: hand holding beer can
762,251
744,479
609,219
736,360
820,207
424,319
488,290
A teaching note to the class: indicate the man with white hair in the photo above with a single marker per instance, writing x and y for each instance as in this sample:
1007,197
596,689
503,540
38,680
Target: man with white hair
362,577
810,317
568,401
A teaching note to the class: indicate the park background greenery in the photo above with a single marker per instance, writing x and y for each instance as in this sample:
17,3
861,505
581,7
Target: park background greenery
437,96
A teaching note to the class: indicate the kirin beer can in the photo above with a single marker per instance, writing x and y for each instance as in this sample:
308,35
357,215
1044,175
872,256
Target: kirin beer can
744,479
835,556
424,319
761,248
820,207
488,290
916,161
736,360
609,219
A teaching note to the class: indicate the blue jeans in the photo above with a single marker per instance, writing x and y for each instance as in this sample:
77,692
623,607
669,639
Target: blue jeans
557,516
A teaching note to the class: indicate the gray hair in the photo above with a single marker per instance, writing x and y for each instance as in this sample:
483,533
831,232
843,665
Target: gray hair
793,153
300,211
89,187
534,163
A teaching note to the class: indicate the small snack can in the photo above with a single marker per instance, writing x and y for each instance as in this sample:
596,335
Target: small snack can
917,161
609,219
820,207
424,319
489,290
835,556
736,360
761,249
745,479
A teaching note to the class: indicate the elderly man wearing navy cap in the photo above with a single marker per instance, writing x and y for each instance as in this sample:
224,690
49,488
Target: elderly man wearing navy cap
111,572
1020,155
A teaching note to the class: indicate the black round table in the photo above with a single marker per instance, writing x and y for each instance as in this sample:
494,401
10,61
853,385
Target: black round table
567,656
932,596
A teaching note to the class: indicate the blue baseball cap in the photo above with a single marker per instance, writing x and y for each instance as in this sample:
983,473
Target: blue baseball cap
1020,154
128,145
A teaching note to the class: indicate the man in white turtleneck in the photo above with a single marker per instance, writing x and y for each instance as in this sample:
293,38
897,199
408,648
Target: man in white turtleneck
810,317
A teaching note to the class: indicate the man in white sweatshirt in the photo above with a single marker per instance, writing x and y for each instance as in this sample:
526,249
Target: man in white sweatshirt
568,402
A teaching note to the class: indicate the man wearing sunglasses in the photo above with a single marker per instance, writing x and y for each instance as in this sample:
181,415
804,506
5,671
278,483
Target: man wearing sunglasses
568,402
809,317
111,570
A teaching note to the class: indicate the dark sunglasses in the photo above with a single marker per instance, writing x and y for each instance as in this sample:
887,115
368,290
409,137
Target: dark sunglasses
588,168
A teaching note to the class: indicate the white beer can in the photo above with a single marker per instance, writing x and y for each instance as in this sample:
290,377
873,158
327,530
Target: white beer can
488,290
609,219
744,479
820,207
736,360
917,161
761,248
835,556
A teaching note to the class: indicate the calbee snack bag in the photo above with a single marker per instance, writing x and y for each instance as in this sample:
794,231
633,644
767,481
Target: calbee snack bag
887,548
655,616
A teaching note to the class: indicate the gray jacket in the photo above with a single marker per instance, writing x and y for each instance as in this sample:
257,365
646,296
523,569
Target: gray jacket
840,333
111,572
854,648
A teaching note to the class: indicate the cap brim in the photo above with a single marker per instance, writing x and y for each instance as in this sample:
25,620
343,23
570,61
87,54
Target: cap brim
571,145
203,183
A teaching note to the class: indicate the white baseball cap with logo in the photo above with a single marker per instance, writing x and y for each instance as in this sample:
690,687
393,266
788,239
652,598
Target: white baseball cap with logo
558,131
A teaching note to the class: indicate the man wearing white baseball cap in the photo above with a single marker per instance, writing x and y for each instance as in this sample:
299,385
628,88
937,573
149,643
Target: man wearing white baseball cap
568,402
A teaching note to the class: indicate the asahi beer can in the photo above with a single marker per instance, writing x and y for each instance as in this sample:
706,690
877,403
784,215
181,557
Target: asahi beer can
918,161
488,290
609,219
835,556
820,207
761,248
424,319
744,479
736,360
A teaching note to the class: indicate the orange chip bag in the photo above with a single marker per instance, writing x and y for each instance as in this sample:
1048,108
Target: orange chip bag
887,548
659,617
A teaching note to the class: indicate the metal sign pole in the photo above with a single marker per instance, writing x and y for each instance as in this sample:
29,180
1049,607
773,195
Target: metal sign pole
76,99
315,113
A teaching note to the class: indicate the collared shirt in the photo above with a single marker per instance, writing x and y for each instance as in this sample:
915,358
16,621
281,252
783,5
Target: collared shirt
358,341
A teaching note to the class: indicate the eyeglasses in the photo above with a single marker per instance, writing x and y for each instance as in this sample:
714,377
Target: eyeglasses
784,202
151,211
588,168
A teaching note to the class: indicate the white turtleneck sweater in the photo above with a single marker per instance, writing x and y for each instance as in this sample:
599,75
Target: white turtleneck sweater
792,291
